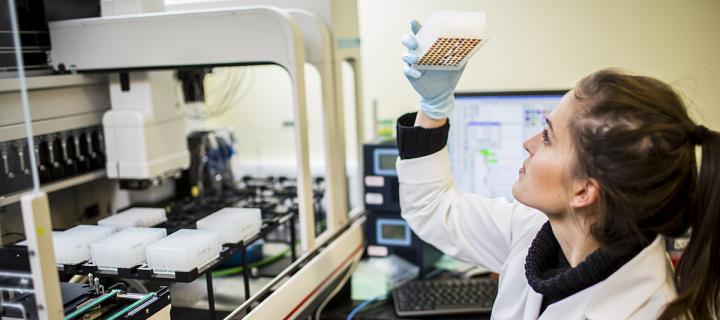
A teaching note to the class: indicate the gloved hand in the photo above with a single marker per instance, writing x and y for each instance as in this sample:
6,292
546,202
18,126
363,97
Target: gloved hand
436,87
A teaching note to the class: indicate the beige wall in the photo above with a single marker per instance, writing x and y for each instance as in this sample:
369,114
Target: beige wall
554,43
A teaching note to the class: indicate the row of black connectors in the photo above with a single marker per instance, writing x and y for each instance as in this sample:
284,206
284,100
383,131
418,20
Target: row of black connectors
59,155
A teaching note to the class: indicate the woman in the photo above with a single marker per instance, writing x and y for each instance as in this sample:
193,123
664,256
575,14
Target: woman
612,174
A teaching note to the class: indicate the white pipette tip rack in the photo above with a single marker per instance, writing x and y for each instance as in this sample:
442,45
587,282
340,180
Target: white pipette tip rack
449,38
183,250
233,224
126,248
72,246
135,217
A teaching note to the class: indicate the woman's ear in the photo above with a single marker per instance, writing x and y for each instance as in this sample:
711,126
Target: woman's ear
585,193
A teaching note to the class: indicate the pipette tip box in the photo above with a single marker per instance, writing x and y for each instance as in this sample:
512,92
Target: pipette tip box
183,250
135,217
449,38
126,248
233,224
72,246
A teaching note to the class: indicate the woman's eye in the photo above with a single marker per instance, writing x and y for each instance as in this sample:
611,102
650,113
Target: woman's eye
546,139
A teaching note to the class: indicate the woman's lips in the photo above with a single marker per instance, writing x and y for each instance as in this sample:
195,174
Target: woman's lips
522,170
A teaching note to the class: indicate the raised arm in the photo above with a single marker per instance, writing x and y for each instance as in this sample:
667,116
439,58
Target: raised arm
463,225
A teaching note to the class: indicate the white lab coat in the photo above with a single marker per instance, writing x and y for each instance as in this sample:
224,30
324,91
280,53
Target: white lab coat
497,234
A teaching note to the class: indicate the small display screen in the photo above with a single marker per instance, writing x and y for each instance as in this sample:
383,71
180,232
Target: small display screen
387,161
393,231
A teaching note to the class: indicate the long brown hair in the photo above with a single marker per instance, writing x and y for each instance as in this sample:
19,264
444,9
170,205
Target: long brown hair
634,136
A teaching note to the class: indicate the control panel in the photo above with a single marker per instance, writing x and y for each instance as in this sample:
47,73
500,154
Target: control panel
59,155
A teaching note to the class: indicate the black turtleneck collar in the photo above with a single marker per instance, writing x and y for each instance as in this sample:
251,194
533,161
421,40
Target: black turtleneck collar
549,273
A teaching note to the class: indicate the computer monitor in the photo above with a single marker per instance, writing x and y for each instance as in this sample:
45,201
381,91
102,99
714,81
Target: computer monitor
487,130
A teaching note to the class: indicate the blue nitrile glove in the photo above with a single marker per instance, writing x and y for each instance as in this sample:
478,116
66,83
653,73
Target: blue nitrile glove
436,87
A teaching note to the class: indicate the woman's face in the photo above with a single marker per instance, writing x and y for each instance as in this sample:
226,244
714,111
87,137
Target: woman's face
544,179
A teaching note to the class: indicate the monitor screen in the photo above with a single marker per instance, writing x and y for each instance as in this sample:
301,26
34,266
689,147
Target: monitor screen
384,161
387,162
394,231
487,131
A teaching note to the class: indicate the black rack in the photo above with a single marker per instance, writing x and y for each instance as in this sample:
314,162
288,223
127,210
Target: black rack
143,272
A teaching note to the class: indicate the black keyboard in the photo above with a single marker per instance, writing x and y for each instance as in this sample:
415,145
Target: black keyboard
445,297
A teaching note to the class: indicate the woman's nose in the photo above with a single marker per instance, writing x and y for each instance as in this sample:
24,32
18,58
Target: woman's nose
531,144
